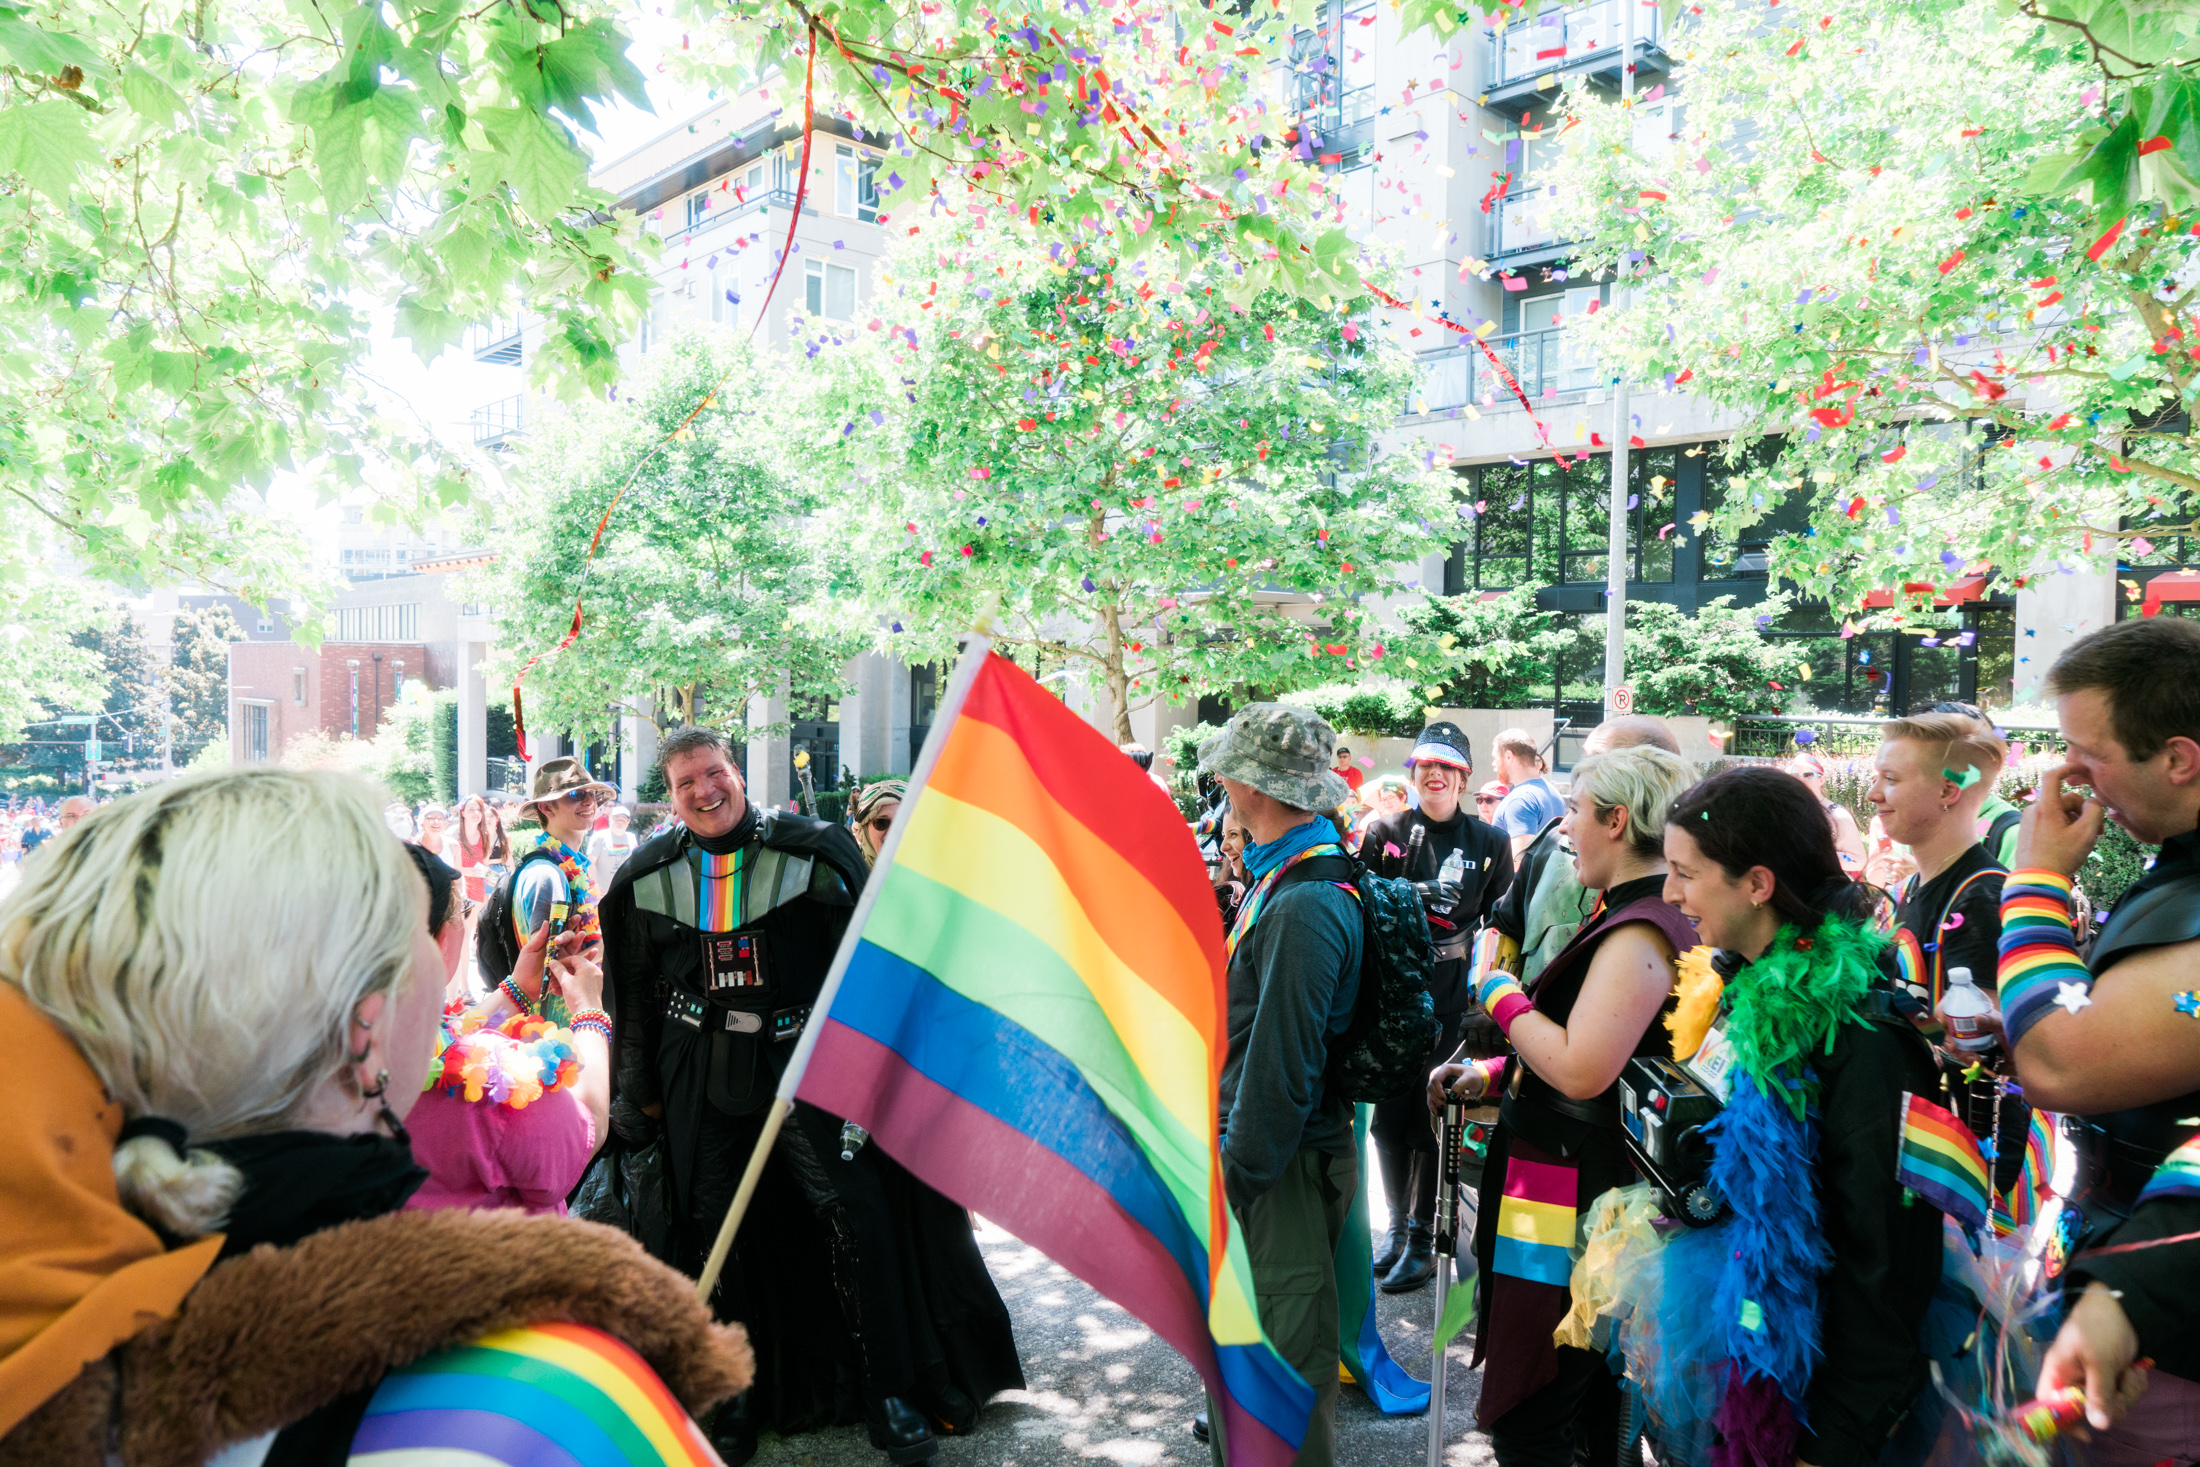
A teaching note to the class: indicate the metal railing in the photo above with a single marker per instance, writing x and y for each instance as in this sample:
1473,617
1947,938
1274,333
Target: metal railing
1765,736
1522,221
1550,360
1557,40
496,421
494,341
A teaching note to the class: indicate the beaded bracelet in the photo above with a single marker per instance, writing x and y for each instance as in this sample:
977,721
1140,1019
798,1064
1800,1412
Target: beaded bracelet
595,1019
516,994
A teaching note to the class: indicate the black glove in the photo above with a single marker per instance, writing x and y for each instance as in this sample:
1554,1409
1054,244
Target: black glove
631,1125
1438,898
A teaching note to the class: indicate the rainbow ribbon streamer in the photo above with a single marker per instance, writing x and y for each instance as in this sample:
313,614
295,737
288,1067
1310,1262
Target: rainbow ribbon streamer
1940,1161
2177,1177
1031,1019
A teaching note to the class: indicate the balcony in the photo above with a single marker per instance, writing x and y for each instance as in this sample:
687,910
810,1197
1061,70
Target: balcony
1570,40
1520,226
497,422
1547,361
495,341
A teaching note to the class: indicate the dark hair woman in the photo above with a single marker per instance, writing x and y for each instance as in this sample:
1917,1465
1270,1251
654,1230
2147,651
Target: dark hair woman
1804,1303
1558,1145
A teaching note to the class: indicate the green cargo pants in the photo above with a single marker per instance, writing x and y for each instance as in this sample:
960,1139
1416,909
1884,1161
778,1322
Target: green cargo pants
1291,1235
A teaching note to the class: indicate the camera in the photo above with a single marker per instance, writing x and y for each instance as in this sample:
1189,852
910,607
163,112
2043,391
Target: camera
1663,1110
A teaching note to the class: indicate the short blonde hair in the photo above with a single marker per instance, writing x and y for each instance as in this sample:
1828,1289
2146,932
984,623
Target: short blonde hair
205,980
1961,743
1644,781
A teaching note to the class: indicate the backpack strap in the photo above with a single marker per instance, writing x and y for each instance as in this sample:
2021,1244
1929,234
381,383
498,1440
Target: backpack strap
1940,965
2005,822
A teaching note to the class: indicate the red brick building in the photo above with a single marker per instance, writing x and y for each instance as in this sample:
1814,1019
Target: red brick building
278,690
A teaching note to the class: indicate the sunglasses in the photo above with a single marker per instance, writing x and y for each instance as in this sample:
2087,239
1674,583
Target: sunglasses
1485,799
578,798
883,824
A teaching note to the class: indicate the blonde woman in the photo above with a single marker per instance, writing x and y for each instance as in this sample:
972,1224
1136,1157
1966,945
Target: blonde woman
872,813
1557,1146
212,1055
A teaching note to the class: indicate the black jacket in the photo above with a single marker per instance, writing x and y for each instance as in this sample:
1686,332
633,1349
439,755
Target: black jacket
1886,1255
2160,1284
1487,855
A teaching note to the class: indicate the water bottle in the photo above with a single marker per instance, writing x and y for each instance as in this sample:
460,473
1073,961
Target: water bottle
1961,1008
1453,869
852,1137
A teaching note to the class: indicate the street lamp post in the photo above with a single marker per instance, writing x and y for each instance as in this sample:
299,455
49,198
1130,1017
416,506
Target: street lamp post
1615,570
353,664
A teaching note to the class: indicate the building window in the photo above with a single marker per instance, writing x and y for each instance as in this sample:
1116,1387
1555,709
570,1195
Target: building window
829,290
855,184
298,686
1747,555
378,623
696,208
1540,523
255,733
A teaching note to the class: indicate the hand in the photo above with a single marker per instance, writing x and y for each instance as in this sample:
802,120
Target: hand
1440,1083
1437,897
2094,1352
2059,829
579,976
527,970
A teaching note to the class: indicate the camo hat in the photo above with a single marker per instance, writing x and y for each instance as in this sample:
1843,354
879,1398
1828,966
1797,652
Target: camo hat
1283,752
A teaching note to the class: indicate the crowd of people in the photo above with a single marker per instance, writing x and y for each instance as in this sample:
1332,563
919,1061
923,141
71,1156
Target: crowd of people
1758,1276
255,1115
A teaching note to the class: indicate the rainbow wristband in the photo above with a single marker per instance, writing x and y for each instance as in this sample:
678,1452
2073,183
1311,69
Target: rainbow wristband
593,1019
1493,1074
2040,967
1501,996
512,991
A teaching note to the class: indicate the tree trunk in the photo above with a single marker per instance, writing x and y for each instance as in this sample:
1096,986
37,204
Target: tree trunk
1119,681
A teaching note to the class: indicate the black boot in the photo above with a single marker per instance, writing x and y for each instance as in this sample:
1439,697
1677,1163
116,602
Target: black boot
1199,1427
733,1431
900,1431
1396,1168
1418,1264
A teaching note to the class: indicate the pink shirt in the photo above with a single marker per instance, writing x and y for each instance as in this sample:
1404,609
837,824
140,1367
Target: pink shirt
481,1154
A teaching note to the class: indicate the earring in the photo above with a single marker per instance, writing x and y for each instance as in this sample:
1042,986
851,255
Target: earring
380,1096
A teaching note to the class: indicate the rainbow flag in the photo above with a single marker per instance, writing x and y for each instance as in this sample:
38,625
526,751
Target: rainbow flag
1536,1222
2179,1176
552,1394
1940,1161
1028,1012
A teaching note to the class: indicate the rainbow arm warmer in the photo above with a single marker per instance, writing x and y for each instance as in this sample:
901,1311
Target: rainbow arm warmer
1502,997
2040,967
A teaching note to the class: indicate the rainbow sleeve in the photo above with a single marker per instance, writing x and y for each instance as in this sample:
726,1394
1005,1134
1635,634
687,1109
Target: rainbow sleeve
2040,965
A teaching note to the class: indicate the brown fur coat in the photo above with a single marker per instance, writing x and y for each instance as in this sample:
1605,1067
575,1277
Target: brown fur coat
269,1337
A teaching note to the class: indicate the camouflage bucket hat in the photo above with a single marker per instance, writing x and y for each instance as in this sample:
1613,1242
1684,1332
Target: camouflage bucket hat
1283,752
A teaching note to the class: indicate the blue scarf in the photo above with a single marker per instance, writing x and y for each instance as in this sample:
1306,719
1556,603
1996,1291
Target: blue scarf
1260,860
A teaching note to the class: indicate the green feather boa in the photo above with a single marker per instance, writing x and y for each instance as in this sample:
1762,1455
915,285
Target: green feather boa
1794,999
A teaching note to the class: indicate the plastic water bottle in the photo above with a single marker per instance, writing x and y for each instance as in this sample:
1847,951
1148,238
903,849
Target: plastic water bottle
1961,1008
1453,869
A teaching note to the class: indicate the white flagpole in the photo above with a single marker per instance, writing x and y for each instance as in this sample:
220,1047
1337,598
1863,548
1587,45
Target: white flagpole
943,720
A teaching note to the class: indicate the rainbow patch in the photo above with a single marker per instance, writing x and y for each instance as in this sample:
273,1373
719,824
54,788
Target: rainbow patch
1940,1161
718,904
2179,1176
1535,1222
554,1395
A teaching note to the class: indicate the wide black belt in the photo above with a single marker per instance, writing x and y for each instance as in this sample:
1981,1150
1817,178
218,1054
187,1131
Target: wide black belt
700,1014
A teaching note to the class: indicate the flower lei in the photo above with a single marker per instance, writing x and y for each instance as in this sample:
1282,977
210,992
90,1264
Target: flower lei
513,1064
1743,1366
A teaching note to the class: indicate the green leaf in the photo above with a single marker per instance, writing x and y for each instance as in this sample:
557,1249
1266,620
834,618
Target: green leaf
340,157
46,52
45,141
149,96
535,157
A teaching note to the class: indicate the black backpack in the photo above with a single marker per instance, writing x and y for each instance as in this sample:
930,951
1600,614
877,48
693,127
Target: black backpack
1384,1051
496,949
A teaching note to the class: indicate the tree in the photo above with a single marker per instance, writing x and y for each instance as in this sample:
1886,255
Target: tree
204,204
709,581
44,666
120,687
1865,243
198,679
1714,663
1133,476
1138,124
1499,653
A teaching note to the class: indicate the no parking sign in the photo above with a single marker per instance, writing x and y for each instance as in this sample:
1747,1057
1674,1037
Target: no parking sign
1623,701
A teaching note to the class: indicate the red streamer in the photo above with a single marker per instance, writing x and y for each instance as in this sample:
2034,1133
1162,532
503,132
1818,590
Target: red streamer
1503,375
786,251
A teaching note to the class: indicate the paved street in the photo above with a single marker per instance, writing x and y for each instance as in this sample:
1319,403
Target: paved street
1102,1388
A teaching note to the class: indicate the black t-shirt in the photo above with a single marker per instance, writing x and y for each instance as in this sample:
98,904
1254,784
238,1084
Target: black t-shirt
1483,850
1969,934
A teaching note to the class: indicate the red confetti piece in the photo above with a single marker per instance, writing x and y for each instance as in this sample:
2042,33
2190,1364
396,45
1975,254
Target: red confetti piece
1951,262
2101,246
2153,145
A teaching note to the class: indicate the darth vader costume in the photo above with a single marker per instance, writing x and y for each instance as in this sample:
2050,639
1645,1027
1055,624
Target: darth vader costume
862,1289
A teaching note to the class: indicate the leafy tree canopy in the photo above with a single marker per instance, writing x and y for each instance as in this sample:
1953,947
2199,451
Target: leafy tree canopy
201,205
198,679
1148,478
1862,241
708,580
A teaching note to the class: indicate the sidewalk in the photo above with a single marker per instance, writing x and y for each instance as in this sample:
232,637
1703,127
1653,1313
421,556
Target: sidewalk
1102,1388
